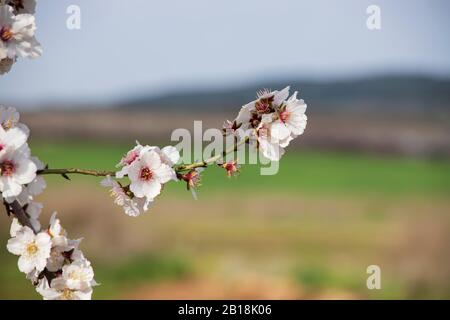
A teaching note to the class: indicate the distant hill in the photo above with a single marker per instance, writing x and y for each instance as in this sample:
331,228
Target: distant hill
384,93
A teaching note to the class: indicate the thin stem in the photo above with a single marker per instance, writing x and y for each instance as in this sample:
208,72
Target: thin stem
205,163
17,210
103,173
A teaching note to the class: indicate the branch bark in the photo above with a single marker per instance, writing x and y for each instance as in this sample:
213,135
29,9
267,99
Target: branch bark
101,173
16,209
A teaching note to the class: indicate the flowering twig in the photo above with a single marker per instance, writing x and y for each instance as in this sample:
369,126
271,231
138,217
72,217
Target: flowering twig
52,261
63,172
178,169
205,163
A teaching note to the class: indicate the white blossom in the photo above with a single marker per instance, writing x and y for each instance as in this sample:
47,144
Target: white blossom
56,259
169,155
32,189
265,104
272,139
130,156
59,291
11,139
15,227
61,245
293,115
57,232
33,249
16,170
272,121
9,117
17,35
78,275
132,206
59,254
148,174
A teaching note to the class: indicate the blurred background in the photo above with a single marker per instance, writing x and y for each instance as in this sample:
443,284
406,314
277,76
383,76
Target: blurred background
367,184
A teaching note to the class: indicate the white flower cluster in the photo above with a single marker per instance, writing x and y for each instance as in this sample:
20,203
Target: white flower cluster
271,121
18,179
17,31
50,260
148,168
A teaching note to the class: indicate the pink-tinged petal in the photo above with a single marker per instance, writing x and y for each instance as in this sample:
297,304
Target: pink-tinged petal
134,170
172,154
296,109
151,159
25,171
281,96
165,173
244,114
137,187
279,131
270,150
123,172
151,189
15,138
36,186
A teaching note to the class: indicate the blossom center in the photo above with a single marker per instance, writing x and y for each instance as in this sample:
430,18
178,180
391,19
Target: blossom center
146,174
67,294
7,168
75,276
31,249
262,106
6,34
8,124
284,115
192,178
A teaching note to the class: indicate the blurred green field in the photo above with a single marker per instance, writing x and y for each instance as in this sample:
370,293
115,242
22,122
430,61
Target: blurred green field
309,172
308,232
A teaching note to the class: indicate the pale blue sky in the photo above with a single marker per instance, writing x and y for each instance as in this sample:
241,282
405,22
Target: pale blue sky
135,46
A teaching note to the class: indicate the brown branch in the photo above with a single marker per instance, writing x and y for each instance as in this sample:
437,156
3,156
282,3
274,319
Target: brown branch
63,172
16,209
205,163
